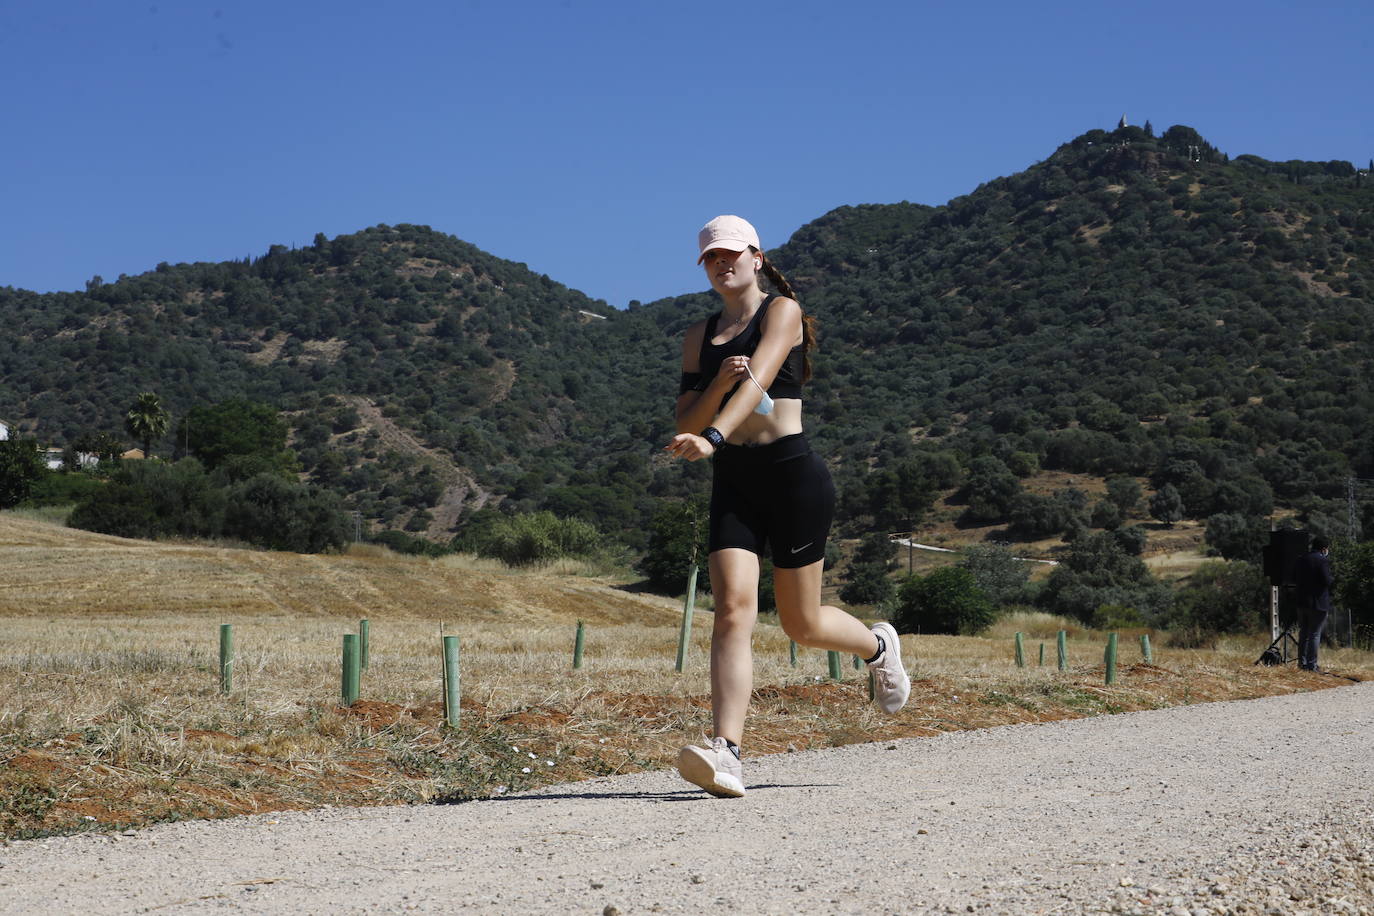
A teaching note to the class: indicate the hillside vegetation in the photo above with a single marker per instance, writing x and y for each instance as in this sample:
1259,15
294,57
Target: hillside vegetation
1132,306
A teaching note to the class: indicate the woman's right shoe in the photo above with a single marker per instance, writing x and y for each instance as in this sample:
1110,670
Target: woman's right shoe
891,686
715,769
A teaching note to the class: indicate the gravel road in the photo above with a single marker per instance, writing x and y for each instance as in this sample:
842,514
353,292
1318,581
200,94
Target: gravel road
1257,806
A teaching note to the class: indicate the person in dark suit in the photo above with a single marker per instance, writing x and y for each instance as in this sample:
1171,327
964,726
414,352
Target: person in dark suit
1312,577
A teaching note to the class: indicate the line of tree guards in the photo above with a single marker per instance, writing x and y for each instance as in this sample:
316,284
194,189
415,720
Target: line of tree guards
232,476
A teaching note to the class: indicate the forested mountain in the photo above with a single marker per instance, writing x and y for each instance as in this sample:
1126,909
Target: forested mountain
411,364
1132,305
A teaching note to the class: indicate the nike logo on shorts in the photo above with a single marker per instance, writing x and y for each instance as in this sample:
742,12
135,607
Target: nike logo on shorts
802,547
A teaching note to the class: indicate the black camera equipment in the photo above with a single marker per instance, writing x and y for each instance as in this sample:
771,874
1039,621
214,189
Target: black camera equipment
1286,546
1277,653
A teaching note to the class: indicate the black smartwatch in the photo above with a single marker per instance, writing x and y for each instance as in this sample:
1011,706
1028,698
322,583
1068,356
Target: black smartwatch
713,436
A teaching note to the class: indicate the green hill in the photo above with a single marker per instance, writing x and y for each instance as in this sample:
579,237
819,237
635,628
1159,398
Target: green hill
1132,305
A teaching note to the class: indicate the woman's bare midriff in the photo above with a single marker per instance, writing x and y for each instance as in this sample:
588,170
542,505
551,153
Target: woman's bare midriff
761,429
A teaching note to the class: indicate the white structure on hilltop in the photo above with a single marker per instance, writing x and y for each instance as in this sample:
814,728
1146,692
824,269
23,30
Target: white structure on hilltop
4,430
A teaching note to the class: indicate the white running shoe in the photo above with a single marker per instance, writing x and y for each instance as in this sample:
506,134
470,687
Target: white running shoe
715,769
891,686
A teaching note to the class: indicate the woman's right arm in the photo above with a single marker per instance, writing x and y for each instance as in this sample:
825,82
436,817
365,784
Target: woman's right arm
696,409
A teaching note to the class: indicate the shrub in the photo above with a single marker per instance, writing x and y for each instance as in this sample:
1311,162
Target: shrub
1124,492
1236,537
1167,505
1131,539
1023,464
1220,598
1116,617
118,510
235,428
997,573
401,542
1034,515
947,600
868,584
1096,571
21,466
1105,514
153,499
677,539
279,514
868,571
1353,565
520,540
990,490
876,547
63,489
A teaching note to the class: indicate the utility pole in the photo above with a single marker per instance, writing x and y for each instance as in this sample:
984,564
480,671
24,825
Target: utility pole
1353,519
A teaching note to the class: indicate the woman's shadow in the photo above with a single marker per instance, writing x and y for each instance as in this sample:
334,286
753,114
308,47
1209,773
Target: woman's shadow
677,795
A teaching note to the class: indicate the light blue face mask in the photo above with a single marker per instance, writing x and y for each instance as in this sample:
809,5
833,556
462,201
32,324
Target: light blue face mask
766,405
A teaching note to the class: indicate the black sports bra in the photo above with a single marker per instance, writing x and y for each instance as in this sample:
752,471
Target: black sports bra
786,384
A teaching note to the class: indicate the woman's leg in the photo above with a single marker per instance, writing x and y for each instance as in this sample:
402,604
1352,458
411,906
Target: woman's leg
735,590
808,622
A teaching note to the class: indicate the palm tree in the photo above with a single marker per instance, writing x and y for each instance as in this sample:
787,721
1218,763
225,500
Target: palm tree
147,420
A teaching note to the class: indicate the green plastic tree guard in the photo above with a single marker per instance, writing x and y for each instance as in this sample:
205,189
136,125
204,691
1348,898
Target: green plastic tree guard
452,695
226,657
684,636
350,669
364,628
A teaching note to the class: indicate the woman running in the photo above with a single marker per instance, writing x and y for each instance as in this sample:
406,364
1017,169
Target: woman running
740,404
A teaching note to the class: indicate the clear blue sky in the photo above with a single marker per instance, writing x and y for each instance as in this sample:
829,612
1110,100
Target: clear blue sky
591,140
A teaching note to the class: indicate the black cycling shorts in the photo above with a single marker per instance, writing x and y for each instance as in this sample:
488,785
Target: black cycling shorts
777,496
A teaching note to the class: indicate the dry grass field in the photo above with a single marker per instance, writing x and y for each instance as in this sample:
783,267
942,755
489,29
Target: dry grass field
111,715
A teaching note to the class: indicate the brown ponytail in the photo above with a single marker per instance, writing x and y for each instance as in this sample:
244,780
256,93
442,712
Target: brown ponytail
780,284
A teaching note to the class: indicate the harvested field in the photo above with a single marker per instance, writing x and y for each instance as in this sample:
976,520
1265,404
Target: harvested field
112,714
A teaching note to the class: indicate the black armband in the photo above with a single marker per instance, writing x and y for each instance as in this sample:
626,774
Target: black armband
691,381
713,436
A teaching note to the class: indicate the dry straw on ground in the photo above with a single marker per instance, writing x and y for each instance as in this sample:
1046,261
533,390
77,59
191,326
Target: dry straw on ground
111,713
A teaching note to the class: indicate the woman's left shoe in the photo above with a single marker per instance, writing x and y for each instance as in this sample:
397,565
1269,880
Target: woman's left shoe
891,686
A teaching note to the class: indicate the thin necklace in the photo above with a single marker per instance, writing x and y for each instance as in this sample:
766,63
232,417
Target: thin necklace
742,318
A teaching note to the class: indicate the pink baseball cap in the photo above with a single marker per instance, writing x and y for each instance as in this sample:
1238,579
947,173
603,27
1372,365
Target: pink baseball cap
729,232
